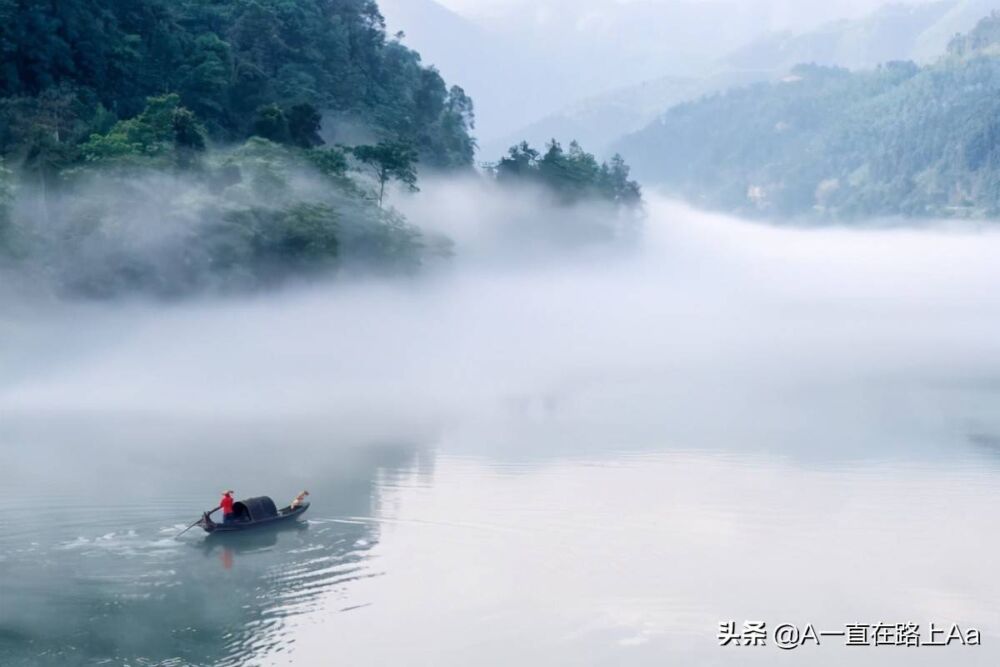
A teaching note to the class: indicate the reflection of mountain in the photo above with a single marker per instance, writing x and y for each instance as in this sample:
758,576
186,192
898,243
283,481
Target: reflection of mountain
139,597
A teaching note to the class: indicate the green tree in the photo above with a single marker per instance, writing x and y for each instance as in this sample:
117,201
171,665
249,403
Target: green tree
304,124
6,199
388,161
521,161
615,184
330,162
570,175
227,60
271,124
203,80
164,133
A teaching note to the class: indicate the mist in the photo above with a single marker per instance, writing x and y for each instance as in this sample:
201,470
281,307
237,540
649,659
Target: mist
525,61
586,326
635,401
699,315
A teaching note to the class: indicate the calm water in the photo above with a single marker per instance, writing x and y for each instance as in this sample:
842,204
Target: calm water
589,466
434,553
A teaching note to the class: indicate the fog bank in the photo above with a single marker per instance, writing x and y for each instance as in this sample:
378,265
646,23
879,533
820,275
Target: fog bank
706,316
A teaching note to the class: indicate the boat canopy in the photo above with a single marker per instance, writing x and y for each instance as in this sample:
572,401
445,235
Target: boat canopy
255,509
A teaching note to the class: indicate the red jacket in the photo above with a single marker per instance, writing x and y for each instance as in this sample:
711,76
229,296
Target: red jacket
227,504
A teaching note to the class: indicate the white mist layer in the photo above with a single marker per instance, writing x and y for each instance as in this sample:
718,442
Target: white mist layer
708,317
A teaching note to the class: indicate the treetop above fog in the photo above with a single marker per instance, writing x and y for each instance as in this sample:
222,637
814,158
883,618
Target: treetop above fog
571,175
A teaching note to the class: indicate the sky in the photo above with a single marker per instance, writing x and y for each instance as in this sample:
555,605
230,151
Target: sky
522,60
778,13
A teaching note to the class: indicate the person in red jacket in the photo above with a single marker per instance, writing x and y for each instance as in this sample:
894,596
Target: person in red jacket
227,506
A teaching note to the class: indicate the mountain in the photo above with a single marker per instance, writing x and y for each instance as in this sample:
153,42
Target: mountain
826,142
960,18
526,62
473,55
601,120
94,62
891,32
174,146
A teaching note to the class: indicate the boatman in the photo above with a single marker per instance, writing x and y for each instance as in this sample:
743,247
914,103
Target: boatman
299,499
227,506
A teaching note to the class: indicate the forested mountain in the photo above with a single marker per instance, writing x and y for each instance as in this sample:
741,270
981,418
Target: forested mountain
892,32
896,140
76,66
166,145
981,41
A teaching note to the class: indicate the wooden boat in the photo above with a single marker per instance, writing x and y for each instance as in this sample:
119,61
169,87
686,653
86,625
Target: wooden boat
252,513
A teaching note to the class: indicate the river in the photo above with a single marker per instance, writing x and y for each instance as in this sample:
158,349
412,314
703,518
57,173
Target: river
597,461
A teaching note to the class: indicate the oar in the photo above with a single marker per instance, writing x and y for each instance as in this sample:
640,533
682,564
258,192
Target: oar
187,529
195,523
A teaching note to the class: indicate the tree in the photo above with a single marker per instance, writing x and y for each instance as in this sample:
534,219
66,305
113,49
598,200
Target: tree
616,185
203,79
6,198
304,124
271,124
330,162
164,133
520,161
570,175
227,60
389,161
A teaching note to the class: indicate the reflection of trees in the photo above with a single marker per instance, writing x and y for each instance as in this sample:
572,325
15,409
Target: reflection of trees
185,606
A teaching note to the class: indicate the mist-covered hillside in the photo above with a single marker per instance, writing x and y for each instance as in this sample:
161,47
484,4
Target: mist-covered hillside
896,140
170,146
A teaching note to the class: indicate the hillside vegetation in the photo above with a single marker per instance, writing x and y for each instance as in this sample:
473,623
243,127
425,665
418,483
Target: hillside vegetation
171,145
897,140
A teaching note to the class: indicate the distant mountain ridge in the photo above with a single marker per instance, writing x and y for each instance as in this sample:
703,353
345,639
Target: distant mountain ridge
601,120
898,140
919,32
893,32
984,39
530,63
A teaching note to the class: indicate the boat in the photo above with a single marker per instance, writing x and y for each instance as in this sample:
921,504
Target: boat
252,513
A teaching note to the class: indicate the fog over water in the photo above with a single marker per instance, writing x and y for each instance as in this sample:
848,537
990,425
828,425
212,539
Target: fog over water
584,457
700,298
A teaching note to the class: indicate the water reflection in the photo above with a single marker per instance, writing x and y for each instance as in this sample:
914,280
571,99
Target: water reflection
634,559
102,580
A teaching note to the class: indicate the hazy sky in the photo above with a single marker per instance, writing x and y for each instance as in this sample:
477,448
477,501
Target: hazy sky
841,5
555,53
776,12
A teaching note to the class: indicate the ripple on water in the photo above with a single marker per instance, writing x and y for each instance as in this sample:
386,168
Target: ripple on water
107,584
